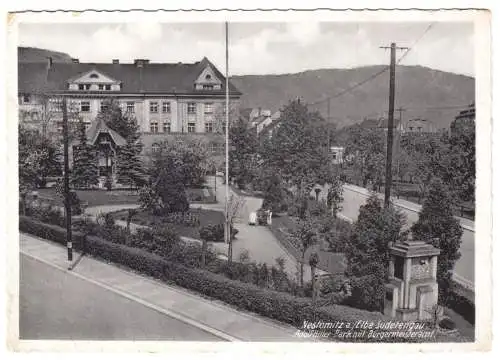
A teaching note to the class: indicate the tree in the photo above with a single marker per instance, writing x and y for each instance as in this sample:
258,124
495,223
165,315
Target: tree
39,157
367,148
367,252
437,225
85,171
461,169
121,122
235,204
191,158
334,196
170,191
129,166
242,157
304,236
296,150
428,154
274,194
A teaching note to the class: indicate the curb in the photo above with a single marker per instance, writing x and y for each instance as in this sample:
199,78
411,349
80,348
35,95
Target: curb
172,314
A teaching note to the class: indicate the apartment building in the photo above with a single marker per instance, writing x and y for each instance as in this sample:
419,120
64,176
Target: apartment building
165,99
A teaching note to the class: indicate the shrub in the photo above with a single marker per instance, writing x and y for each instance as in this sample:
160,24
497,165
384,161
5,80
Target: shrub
215,233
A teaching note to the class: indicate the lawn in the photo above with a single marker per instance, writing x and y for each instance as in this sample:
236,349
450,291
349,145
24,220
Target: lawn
147,219
94,197
116,197
203,195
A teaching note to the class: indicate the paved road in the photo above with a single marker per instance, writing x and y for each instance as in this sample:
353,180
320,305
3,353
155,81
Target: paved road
59,306
259,241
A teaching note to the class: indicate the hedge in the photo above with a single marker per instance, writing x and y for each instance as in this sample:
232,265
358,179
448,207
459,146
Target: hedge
280,306
277,305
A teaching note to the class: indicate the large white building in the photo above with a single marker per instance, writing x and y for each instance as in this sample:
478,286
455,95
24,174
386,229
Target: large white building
164,98
167,101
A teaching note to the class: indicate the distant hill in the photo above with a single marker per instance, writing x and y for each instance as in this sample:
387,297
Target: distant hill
417,89
31,54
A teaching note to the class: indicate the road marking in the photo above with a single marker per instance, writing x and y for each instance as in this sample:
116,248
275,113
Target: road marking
172,314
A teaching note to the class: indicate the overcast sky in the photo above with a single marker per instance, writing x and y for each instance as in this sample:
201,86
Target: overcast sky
262,48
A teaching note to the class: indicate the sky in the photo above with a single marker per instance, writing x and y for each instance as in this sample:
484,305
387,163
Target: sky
262,48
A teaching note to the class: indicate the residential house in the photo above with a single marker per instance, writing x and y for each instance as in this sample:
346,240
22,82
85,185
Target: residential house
465,120
419,125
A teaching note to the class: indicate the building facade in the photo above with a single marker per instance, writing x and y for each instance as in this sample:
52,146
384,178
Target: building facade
164,99
465,121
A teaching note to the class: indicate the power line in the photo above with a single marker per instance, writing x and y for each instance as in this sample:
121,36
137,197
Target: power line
415,43
372,77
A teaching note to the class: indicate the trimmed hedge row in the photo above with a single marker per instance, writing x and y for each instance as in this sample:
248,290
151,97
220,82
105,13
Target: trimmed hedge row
273,304
280,306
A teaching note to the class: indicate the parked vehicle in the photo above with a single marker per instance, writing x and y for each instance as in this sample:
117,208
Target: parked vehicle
252,219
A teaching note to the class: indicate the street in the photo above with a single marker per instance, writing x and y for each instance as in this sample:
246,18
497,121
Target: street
60,306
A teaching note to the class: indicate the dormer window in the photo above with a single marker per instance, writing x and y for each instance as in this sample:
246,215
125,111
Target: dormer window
101,87
208,87
94,76
208,77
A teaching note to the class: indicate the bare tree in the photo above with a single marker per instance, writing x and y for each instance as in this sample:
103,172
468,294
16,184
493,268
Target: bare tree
235,204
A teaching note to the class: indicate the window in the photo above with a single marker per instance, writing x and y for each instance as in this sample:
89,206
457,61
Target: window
208,77
94,76
85,106
101,87
166,127
153,107
209,127
213,148
191,108
155,148
153,127
26,98
108,87
208,87
87,86
191,127
130,107
55,105
86,125
209,108
104,106
165,107
81,87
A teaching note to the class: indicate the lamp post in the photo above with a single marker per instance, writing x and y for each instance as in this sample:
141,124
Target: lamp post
215,183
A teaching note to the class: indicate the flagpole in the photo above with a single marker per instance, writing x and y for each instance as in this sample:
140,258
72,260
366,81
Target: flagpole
227,232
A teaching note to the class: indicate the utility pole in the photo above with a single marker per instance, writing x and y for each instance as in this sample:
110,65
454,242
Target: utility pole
328,120
227,227
390,122
67,199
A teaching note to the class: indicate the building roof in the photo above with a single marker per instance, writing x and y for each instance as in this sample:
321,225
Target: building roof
369,123
412,248
151,78
98,127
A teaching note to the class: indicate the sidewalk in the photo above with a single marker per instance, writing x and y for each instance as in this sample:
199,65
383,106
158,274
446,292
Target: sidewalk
209,315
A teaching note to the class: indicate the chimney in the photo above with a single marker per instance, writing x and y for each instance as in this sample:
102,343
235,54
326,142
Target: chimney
140,62
75,61
116,61
49,62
